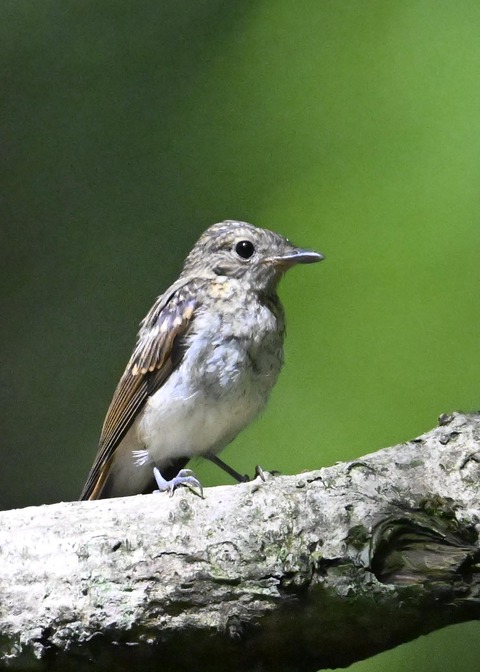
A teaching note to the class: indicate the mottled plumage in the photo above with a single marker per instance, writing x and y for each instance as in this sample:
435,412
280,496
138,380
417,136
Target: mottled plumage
207,356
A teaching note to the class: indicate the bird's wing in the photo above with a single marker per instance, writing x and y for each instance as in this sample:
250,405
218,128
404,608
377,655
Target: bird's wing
157,353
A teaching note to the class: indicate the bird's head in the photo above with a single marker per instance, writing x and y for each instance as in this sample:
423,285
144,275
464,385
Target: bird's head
258,257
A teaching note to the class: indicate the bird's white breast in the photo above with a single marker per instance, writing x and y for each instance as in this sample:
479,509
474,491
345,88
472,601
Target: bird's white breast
223,382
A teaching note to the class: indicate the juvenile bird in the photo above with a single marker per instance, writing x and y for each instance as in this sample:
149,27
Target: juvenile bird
207,356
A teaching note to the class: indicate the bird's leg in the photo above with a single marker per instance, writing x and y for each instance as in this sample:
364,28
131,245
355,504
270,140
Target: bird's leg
184,477
234,474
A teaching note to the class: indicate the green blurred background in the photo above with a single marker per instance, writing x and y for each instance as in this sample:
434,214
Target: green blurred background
352,127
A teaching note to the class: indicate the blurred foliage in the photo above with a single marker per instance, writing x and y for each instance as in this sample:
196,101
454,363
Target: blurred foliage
353,128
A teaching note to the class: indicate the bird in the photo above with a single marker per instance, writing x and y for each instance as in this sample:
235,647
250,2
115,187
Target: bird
207,356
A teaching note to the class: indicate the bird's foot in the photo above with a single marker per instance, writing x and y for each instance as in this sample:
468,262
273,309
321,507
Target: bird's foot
260,473
184,477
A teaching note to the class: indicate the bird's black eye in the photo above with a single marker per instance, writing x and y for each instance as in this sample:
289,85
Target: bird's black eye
244,249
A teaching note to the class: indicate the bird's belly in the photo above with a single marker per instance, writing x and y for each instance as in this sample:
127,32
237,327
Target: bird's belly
206,402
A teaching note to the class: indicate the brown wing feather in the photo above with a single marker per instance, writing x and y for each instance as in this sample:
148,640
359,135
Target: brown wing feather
157,352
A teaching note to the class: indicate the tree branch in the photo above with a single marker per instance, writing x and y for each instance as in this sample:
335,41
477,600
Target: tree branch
298,573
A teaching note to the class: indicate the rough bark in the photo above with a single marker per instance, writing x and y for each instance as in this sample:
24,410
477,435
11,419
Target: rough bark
296,573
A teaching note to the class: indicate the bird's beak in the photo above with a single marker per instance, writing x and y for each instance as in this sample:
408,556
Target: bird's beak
296,256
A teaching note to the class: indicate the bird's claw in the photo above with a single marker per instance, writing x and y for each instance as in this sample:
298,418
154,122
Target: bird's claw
184,477
259,472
